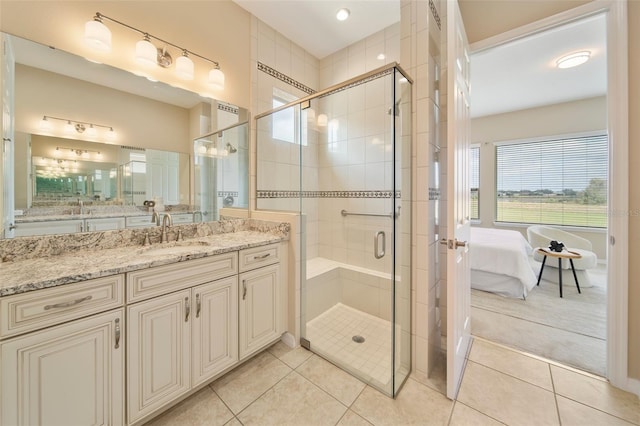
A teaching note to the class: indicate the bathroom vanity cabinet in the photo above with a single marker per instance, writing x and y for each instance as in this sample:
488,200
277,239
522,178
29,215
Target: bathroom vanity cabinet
66,364
172,328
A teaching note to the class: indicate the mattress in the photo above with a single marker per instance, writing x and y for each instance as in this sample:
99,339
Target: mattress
500,262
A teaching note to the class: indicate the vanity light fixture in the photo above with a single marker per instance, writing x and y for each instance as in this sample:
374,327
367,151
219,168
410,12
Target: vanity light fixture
78,126
98,36
573,59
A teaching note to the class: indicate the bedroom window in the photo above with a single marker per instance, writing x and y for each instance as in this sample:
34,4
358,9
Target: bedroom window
474,181
557,182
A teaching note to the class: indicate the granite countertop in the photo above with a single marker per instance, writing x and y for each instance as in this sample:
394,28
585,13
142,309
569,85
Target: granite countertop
33,274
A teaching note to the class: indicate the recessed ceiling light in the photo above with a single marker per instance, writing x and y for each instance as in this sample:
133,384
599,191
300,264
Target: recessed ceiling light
381,57
573,59
343,14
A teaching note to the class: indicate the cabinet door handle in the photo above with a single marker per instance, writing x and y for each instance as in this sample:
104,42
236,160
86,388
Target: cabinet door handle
198,305
244,289
264,256
117,333
67,304
187,309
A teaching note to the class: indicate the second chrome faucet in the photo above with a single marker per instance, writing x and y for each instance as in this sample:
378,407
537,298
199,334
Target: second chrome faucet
167,222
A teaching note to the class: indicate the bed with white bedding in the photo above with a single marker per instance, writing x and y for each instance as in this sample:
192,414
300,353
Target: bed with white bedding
500,262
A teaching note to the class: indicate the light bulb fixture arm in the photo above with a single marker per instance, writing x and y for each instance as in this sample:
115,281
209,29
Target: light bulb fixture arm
99,16
78,122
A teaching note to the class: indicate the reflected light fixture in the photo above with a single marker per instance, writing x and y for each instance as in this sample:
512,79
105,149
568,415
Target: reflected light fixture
343,14
98,36
72,126
573,59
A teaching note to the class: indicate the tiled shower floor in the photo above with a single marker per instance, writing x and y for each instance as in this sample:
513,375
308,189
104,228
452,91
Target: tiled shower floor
331,335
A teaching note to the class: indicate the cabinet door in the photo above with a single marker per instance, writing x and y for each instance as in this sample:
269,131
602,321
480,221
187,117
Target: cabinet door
259,309
71,374
158,333
25,229
214,328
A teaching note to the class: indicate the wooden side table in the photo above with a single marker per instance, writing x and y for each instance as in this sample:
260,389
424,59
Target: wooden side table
564,254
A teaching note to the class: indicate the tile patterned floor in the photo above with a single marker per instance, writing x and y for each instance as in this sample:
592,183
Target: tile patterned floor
332,333
284,386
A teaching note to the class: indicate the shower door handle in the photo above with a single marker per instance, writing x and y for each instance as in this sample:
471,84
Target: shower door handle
379,254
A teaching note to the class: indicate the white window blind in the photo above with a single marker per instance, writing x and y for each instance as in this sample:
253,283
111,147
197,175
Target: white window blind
557,182
474,181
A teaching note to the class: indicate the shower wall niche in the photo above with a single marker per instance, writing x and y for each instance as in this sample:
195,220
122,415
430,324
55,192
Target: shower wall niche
342,158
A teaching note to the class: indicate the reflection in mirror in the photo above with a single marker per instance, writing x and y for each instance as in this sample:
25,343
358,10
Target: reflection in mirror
221,168
146,157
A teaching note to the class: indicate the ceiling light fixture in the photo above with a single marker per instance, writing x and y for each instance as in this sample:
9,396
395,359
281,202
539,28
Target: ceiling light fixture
78,126
343,14
573,59
98,36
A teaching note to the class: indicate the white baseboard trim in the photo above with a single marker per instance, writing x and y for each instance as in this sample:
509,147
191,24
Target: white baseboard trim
289,340
633,386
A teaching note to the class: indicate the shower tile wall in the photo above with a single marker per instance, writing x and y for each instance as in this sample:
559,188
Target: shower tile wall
420,24
358,157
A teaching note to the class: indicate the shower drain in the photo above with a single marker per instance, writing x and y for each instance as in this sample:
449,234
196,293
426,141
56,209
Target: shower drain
358,339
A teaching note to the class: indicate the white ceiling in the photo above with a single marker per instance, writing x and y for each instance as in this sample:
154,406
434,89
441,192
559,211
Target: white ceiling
523,74
312,24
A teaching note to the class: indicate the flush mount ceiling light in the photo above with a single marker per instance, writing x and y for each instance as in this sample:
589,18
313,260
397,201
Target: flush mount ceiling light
78,126
343,14
98,36
573,59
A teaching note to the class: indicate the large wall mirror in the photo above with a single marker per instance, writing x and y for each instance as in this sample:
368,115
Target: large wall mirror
94,142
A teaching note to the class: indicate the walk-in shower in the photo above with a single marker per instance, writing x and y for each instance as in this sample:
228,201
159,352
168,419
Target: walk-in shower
342,158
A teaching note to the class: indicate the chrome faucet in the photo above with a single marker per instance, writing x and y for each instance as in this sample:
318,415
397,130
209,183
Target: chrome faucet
199,213
155,217
81,206
167,222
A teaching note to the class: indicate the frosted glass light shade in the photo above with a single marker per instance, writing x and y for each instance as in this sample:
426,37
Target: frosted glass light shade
111,134
97,35
69,128
146,53
216,78
45,124
92,132
184,68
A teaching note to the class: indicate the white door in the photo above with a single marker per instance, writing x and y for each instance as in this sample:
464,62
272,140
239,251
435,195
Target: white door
158,357
71,374
458,200
215,328
7,202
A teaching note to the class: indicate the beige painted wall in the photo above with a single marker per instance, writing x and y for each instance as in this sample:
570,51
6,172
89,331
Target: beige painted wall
218,30
555,120
488,18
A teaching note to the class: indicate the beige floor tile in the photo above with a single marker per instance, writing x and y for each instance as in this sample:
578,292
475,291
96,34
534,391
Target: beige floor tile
512,363
596,393
416,404
293,357
352,419
467,416
233,422
506,398
293,401
437,378
201,408
245,384
339,384
575,414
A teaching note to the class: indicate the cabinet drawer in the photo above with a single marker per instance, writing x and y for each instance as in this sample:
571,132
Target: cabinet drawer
166,279
182,218
259,256
43,308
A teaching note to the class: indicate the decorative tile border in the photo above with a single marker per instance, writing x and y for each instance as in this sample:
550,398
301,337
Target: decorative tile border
134,192
360,82
227,193
326,194
131,148
228,108
434,194
285,78
434,12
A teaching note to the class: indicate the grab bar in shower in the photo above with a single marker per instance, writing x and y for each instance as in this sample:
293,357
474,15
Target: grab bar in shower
390,215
